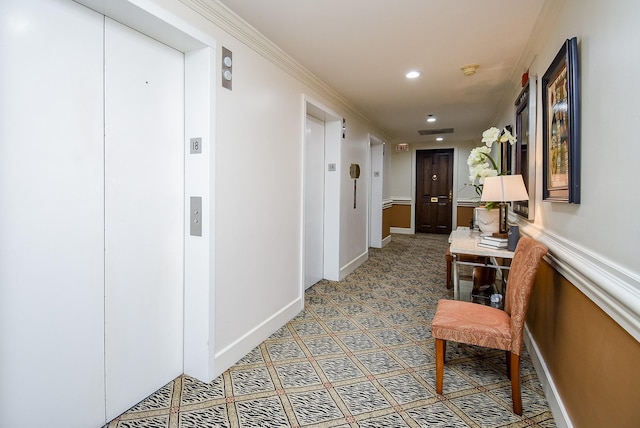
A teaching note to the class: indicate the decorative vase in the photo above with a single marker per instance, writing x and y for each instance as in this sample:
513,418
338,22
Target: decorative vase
488,220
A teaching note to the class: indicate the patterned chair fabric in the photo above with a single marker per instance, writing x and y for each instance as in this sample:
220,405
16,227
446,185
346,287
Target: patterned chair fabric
481,325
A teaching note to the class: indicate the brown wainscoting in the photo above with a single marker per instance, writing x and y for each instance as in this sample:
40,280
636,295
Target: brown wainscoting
594,363
465,215
386,222
400,216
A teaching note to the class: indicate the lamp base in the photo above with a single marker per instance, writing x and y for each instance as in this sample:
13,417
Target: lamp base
504,215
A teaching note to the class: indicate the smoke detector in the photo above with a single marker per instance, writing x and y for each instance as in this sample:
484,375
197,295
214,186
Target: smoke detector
469,69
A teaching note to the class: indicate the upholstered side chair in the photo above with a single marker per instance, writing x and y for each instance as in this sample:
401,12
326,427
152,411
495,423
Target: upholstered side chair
475,324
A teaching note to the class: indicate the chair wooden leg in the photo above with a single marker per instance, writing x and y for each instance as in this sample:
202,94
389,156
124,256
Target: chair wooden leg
515,383
441,347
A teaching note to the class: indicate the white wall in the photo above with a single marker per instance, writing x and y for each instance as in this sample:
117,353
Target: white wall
258,183
598,238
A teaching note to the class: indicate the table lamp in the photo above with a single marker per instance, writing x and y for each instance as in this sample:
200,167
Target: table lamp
504,189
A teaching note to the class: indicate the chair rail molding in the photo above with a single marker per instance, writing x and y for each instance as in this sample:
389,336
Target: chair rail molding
610,286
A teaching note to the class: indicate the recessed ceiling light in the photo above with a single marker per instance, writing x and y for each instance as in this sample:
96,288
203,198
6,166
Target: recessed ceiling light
431,118
440,139
413,74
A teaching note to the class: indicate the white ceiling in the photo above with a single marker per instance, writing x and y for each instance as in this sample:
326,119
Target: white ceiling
363,48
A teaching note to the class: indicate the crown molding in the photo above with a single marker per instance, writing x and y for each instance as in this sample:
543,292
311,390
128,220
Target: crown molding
225,19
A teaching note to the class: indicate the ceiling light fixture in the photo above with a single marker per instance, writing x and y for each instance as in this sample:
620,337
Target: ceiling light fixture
413,74
469,69
431,118
440,139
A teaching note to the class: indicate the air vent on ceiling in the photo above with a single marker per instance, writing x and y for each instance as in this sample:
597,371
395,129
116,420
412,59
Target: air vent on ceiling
435,131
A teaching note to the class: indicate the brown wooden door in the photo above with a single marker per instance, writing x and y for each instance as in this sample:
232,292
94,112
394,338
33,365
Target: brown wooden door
434,187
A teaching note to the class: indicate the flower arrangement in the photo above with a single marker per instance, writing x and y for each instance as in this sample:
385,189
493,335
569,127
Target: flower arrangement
481,164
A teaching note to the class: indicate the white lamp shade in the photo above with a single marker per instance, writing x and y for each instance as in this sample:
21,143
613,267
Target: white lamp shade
504,188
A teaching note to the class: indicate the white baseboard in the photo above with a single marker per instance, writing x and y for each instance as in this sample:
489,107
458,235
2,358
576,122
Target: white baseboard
402,230
353,265
560,414
241,347
386,241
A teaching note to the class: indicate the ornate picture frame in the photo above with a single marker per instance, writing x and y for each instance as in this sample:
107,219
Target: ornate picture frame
561,127
524,156
506,164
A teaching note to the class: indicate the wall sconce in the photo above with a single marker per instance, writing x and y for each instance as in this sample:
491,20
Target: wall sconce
344,128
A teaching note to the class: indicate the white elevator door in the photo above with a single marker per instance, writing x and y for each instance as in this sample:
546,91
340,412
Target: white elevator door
144,182
314,202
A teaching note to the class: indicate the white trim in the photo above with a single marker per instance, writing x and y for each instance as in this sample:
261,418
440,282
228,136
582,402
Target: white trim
560,414
387,203
401,200
467,203
402,230
353,265
610,286
386,241
232,353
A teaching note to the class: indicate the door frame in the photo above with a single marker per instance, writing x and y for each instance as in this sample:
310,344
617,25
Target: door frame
199,118
454,198
313,147
376,192
332,139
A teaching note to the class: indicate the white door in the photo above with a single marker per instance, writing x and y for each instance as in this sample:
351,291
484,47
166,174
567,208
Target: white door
313,201
144,182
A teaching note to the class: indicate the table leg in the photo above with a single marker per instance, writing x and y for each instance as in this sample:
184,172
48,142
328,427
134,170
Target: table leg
456,277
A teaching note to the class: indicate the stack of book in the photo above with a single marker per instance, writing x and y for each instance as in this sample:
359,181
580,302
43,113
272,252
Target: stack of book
493,242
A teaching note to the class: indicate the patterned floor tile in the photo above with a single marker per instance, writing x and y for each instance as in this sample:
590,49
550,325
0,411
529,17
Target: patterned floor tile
322,346
414,356
297,375
308,328
405,389
362,397
379,362
341,325
357,341
336,369
209,417
393,420
194,392
482,410
360,354
284,351
314,407
264,412
436,416
390,337
250,381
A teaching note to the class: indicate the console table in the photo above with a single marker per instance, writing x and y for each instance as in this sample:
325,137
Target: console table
464,240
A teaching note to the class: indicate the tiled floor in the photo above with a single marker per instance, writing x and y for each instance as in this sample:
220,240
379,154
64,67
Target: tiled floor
359,355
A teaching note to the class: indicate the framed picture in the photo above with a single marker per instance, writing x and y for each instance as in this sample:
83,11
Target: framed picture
505,156
561,127
524,159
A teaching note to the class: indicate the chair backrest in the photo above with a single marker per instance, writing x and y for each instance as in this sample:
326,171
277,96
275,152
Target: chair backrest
522,275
